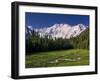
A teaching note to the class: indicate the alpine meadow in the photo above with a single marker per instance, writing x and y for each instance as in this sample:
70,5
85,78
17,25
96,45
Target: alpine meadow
56,40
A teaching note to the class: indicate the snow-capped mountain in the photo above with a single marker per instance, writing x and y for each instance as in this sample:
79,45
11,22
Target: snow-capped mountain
60,31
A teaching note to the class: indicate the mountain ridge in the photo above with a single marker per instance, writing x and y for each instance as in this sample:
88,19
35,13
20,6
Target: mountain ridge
58,31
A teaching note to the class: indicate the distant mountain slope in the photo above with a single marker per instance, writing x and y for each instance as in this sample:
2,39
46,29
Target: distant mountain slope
81,41
58,31
28,31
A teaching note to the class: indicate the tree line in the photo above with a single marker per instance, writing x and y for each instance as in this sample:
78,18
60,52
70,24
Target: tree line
35,43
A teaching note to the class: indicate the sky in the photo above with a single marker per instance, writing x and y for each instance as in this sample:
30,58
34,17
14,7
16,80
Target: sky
40,20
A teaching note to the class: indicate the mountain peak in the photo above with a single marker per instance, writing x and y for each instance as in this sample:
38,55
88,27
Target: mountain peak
81,25
30,27
61,25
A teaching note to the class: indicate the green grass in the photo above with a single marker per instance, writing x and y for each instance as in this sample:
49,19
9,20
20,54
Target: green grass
74,57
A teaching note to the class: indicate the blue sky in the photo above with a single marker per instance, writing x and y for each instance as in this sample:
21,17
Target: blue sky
40,20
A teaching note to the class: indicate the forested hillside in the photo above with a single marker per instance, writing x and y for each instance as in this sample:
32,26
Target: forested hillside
35,43
81,41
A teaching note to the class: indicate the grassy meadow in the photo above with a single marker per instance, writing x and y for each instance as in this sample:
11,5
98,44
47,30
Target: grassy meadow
73,57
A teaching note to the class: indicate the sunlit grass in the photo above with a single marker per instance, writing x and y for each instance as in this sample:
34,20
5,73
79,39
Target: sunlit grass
76,57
